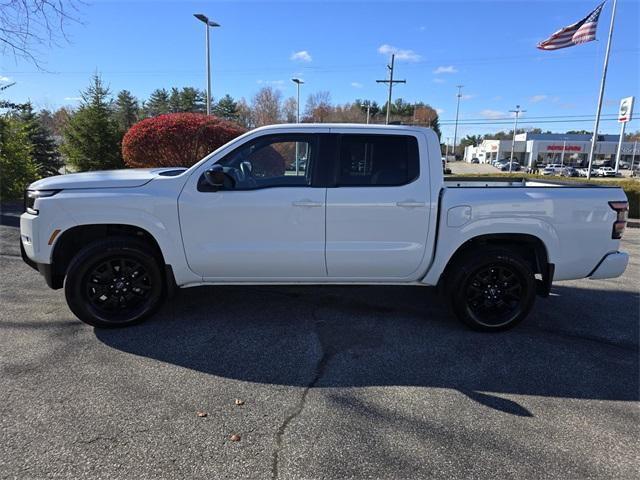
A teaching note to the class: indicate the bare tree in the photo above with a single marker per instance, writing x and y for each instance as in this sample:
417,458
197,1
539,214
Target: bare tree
290,110
245,115
267,106
26,25
318,107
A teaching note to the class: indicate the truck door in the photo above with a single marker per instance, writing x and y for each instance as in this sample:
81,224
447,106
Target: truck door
377,213
269,223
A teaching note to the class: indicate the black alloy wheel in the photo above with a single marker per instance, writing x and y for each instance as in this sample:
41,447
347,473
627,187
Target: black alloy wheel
491,291
114,283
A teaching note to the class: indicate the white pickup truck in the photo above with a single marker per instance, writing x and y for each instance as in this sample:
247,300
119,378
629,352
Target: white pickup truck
318,204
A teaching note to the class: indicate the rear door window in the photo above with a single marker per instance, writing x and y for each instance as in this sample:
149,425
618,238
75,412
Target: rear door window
377,160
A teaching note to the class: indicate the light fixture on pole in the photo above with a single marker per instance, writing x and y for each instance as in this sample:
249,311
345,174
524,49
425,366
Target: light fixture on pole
207,23
455,130
298,82
517,111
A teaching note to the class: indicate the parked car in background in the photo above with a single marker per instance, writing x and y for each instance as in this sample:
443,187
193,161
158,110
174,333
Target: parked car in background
549,170
475,160
569,172
513,166
624,165
606,172
582,172
499,163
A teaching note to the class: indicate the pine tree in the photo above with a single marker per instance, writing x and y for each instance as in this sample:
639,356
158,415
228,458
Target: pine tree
126,110
158,103
192,100
16,165
226,108
91,136
44,150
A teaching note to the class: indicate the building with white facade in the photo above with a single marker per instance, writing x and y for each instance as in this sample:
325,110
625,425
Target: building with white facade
544,148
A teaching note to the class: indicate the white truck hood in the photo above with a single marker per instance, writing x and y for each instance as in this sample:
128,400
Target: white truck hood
131,177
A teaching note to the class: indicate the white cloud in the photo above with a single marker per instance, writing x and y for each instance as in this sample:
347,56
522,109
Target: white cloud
301,56
537,98
270,82
439,80
466,96
4,79
73,99
445,69
492,114
439,111
356,85
403,55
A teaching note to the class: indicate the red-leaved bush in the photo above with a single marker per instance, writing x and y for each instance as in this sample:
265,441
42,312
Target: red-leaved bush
175,139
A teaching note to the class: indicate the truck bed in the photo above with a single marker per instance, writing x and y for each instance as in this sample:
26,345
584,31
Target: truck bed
475,182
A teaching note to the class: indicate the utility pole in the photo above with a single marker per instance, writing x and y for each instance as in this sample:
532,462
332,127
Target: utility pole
391,81
455,130
517,111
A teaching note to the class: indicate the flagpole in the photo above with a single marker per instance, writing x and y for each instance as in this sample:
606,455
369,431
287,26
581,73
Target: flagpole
594,138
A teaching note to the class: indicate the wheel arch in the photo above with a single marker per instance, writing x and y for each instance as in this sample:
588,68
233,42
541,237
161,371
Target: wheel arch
75,238
530,247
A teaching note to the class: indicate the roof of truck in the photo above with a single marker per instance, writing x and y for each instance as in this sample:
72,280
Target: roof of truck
342,126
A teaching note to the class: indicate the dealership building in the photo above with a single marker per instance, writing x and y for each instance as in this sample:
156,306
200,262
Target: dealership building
544,148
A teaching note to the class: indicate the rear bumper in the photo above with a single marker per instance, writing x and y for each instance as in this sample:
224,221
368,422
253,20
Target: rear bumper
612,265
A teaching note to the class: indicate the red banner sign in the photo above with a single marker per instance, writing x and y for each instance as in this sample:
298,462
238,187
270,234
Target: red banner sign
568,148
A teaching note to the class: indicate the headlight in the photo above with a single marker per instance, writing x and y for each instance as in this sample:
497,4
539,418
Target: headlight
30,197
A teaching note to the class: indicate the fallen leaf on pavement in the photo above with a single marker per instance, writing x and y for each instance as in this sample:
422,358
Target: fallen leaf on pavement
235,437
239,402
201,414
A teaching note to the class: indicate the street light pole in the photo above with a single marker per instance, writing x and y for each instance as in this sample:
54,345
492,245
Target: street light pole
368,105
207,23
455,130
298,82
517,111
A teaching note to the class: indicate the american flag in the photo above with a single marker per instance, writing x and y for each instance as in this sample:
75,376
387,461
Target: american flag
580,32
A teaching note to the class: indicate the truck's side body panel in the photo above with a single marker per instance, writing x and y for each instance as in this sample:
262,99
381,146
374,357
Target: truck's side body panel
574,223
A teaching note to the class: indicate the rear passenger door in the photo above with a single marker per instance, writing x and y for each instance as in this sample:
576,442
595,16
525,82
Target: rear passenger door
377,211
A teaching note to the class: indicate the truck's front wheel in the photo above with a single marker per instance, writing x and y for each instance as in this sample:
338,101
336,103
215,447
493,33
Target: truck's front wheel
114,283
493,290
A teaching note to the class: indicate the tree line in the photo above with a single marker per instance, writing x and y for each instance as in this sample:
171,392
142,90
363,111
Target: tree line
89,137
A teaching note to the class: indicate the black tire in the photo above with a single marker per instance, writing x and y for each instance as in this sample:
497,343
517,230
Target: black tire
115,282
491,291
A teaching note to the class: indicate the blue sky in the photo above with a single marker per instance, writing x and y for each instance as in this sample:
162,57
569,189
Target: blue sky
487,46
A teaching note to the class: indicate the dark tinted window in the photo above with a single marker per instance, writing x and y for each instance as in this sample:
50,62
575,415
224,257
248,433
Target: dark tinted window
282,160
377,160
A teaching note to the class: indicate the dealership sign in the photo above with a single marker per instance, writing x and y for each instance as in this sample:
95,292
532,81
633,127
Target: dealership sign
566,148
626,110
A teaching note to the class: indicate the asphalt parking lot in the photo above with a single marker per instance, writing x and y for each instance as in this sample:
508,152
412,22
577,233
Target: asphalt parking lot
337,382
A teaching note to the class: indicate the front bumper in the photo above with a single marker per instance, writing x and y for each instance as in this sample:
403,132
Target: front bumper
612,265
45,269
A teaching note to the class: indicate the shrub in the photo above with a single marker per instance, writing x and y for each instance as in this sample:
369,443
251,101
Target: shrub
175,139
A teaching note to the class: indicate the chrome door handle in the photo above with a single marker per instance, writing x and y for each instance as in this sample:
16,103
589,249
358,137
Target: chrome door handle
307,203
411,204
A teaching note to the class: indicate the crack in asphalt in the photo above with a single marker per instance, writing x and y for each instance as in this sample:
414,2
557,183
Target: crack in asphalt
319,371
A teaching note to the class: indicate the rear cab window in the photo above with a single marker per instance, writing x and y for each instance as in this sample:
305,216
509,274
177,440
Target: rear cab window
377,160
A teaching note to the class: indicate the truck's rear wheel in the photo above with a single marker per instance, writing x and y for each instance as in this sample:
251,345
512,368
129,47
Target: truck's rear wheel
491,291
114,283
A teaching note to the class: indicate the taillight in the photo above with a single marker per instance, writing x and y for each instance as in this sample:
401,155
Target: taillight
622,209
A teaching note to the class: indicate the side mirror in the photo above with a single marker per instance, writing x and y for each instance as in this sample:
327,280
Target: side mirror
215,177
